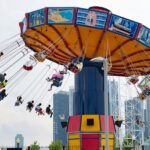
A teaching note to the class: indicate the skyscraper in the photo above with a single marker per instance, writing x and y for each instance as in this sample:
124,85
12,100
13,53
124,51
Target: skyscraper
134,109
19,141
113,98
147,117
114,103
60,107
146,132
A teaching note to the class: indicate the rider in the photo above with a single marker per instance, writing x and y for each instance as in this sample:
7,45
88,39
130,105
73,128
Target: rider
39,110
57,79
75,66
3,84
1,54
2,77
19,101
30,105
139,121
40,56
3,94
49,110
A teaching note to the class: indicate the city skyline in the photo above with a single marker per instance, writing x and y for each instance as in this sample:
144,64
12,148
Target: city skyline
134,109
60,109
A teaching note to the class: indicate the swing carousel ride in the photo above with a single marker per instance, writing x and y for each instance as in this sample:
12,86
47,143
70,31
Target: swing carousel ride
81,40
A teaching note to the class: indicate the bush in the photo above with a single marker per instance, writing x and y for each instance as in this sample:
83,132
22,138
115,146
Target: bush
35,146
56,145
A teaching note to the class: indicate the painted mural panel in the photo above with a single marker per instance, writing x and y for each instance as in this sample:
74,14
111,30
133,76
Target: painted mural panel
36,18
123,26
60,15
144,36
24,25
91,18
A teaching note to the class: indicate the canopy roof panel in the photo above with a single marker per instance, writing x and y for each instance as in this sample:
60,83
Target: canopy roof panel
95,32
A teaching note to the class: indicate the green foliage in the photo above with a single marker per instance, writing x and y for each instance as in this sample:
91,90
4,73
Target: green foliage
35,146
127,141
56,145
66,148
117,143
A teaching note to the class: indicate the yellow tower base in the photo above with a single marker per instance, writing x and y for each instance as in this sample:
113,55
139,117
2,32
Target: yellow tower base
87,132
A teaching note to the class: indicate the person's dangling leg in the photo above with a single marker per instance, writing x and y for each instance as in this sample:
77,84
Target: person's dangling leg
51,86
51,114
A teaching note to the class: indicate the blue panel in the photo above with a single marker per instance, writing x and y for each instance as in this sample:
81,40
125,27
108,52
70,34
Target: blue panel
60,15
123,26
89,90
91,18
24,25
144,36
36,18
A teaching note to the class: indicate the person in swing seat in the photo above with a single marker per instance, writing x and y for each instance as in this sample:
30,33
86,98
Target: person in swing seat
57,79
2,77
1,54
30,106
3,84
19,101
39,110
3,94
49,110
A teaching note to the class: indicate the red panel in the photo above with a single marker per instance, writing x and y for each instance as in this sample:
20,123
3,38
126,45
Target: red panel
90,142
111,123
46,15
74,124
95,136
21,27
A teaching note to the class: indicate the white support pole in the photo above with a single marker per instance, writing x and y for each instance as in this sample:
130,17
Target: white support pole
106,102
143,130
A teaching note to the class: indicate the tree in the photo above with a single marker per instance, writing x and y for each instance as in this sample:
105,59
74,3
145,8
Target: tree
117,145
56,145
128,142
35,146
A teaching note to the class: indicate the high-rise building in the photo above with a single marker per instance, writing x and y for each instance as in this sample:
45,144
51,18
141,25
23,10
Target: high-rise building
147,118
134,110
147,126
113,98
60,108
71,92
19,141
114,104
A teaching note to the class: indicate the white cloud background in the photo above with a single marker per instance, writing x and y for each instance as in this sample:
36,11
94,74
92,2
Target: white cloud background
14,120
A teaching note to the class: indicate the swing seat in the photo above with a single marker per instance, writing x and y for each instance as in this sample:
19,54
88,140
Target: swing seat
40,57
146,92
142,96
58,79
41,112
144,83
1,86
109,67
16,104
118,123
133,80
57,83
48,112
76,68
28,68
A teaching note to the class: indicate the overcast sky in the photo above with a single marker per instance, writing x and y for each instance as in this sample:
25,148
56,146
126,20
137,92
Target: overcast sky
13,120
